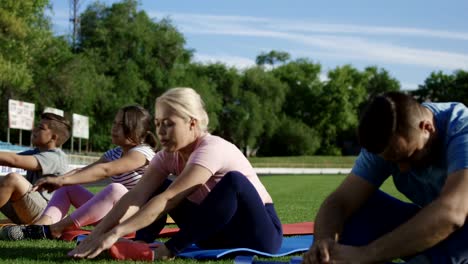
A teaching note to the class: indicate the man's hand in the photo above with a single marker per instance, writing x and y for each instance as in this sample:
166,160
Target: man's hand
330,251
320,252
351,255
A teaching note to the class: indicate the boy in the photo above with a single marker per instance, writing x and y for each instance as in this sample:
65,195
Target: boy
16,201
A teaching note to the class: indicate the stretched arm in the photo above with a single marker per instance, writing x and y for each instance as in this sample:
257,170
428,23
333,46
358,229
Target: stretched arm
99,170
27,162
192,177
344,201
430,226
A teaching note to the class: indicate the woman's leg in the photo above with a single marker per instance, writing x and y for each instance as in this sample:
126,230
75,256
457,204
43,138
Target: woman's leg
232,215
92,210
60,203
99,205
148,234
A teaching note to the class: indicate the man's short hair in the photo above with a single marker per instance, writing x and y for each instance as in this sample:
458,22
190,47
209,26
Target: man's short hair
59,125
386,115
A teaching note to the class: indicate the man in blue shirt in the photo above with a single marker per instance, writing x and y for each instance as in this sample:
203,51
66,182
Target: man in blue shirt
424,147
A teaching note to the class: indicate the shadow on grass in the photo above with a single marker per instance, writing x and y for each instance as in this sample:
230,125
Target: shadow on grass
45,251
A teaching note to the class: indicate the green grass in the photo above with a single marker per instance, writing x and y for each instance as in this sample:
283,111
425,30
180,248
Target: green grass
297,198
303,162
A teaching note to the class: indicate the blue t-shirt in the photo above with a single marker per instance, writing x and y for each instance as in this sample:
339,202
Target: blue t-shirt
423,185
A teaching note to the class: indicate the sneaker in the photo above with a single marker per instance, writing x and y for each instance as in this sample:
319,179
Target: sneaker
36,232
19,232
12,232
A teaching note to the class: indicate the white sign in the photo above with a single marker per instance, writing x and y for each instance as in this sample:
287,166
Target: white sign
20,115
80,126
53,111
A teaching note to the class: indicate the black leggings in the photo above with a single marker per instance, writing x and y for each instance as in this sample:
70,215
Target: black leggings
232,215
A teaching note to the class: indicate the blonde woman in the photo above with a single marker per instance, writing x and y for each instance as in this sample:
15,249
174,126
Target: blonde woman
216,198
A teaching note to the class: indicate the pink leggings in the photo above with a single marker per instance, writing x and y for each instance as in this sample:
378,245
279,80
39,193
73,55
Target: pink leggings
89,208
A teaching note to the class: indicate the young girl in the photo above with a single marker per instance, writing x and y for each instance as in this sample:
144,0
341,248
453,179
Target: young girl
216,198
125,165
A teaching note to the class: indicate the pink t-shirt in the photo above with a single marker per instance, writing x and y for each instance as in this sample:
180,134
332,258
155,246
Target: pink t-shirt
218,156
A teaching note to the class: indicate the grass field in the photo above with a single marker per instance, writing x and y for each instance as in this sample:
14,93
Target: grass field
297,199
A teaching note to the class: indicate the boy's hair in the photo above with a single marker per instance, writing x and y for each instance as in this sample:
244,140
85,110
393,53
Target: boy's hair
59,125
386,115
137,124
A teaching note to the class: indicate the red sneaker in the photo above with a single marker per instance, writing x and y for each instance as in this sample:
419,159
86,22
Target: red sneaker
130,250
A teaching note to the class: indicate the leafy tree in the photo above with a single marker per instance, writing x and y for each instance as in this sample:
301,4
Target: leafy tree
304,87
440,87
197,76
379,81
292,138
342,94
270,92
273,57
23,31
137,57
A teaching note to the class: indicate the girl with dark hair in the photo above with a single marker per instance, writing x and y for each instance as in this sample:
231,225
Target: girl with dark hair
125,165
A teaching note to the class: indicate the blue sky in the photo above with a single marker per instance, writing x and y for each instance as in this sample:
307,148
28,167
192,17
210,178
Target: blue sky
409,38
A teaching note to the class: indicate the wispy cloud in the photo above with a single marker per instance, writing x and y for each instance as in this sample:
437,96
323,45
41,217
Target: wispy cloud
232,61
409,86
341,41
207,21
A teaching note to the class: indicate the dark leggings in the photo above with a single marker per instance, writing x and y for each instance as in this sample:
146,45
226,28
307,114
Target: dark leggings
383,213
232,215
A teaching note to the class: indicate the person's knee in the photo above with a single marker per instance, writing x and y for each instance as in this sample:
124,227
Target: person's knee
116,190
13,180
234,176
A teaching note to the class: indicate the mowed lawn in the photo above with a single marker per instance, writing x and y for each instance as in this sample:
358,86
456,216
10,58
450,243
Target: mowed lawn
297,199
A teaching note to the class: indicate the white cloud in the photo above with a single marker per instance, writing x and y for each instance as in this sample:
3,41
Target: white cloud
409,86
341,41
232,61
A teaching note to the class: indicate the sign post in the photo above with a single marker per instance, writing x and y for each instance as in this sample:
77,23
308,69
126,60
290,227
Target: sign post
80,129
20,116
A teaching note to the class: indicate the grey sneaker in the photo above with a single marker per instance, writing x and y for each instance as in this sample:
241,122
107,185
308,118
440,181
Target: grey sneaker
20,232
12,232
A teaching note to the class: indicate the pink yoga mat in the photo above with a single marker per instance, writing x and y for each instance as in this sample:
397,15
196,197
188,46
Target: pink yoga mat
292,229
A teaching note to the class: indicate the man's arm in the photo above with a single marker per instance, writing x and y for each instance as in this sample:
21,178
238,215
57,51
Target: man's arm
343,202
27,162
431,225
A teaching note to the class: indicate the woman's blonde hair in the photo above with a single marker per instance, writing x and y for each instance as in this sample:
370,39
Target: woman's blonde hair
187,103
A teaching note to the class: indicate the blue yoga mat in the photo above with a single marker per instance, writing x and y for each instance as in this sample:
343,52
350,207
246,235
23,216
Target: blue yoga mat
290,245
252,260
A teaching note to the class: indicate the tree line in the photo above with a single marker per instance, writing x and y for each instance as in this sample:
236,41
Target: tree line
279,107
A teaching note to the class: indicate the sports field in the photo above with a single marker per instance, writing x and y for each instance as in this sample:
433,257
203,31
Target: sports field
297,198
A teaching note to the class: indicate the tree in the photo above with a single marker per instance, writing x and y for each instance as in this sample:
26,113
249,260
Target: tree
342,94
292,138
379,81
137,57
440,87
262,86
272,57
304,87
24,30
